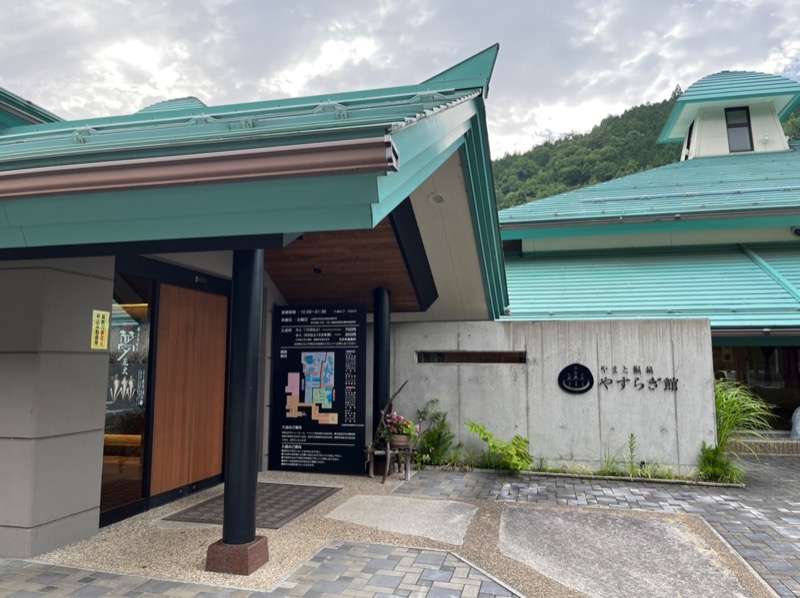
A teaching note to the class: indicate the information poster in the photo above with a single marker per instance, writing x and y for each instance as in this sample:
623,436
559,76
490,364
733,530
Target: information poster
128,360
318,389
100,329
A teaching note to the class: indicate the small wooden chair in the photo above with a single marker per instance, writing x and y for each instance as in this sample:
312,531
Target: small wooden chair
373,450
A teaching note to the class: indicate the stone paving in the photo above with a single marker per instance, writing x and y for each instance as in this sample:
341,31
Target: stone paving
339,569
354,569
761,522
24,579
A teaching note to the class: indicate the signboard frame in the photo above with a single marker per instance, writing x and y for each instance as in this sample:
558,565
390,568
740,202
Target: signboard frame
318,411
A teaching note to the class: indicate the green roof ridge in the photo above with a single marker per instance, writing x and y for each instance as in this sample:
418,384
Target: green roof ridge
710,185
15,110
475,71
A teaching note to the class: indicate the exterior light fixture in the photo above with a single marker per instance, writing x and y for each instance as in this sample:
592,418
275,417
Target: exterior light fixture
437,198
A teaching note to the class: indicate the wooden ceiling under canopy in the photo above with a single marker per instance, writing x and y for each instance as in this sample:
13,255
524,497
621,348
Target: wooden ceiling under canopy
344,267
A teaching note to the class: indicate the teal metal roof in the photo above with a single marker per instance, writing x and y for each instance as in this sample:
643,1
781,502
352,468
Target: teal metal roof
470,73
734,287
16,111
190,103
426,124
176,130
188,126
730,88
680,195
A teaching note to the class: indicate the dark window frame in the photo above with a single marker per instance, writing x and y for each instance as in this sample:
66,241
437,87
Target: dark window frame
748,125
472,357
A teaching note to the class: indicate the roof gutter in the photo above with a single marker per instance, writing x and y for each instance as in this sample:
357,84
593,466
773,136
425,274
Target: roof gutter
371,155
546,224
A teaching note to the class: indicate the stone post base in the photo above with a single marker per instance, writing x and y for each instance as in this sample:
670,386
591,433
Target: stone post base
237,559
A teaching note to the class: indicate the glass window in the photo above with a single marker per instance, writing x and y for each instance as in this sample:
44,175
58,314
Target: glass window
740,137
773,373
126,397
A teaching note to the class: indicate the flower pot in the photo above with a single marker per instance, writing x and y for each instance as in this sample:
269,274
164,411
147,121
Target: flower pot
399,441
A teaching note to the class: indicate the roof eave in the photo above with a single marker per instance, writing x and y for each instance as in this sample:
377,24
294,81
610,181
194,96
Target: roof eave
670,135
473,73
375,155
511,231
24,111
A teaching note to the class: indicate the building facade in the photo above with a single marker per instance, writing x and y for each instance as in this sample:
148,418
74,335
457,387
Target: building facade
146,261
713,236
127,243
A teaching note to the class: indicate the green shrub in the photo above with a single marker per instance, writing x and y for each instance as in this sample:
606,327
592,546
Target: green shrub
716,466
512,456
460,459
740,413
610,464
436,437
656,471
631,462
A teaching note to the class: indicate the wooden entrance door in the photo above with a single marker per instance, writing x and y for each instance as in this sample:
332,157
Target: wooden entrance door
189,401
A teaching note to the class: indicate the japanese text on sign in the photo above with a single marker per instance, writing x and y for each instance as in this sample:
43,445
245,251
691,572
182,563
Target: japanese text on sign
636,377
100,322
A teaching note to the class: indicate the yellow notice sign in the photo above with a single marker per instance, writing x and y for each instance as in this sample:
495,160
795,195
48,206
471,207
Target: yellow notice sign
100,321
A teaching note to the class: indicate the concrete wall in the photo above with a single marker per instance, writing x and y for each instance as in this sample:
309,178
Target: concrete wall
52,401
573,428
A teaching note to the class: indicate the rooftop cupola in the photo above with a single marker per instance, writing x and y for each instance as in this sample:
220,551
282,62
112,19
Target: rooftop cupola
732,112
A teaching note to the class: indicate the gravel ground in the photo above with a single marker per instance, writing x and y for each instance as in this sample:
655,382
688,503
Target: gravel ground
145,545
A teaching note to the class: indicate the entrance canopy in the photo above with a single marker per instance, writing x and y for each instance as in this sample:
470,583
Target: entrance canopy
349,191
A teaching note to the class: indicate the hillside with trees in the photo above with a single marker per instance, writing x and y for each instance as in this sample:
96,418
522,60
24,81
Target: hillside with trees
618,146
791,126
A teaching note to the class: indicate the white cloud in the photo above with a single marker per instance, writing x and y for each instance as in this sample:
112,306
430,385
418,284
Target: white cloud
333,55
562,66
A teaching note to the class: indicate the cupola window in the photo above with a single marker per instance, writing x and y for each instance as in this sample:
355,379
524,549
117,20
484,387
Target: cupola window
740,137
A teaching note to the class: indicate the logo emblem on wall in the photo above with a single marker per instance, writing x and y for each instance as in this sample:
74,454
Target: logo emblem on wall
575,378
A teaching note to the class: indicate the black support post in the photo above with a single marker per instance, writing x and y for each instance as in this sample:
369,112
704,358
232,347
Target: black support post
241,440
382,352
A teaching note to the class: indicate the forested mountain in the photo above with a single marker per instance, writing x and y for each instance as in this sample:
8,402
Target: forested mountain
791,126
618,146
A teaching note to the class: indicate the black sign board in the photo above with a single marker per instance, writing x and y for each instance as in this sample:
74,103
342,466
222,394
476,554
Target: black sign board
576,378
318,412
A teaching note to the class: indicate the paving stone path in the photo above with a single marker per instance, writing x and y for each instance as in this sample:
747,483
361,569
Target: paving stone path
353,569
761,522
339,569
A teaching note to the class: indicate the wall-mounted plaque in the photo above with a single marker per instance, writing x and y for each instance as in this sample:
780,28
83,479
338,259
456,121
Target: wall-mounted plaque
575,378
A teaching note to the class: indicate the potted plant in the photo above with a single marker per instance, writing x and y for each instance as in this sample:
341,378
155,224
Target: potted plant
398,431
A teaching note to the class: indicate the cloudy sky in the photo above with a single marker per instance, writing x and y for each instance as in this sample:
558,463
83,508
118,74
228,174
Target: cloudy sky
563,65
